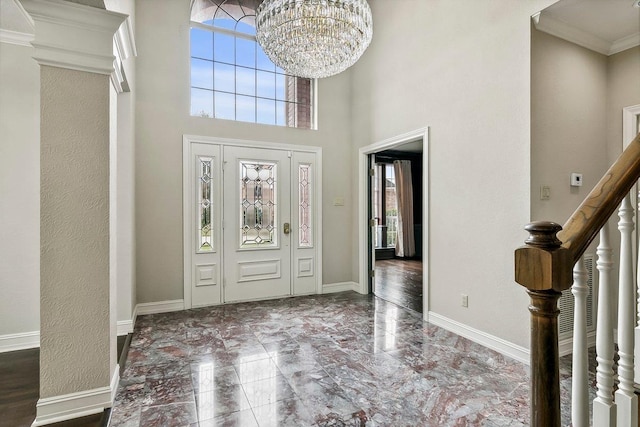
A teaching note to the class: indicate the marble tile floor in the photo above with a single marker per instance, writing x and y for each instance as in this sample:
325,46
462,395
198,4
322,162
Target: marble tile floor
331,360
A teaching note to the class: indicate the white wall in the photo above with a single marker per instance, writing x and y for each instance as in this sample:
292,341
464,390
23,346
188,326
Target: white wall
19,190
623,84
463,69
568,123
162,117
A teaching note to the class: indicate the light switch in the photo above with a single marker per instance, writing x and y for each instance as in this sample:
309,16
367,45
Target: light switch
576,179
545,192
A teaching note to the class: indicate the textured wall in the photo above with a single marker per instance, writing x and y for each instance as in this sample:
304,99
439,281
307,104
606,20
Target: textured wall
20,190
162,117
463,69
74,167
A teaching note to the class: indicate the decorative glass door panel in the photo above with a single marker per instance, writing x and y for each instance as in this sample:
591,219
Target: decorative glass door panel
257,248
258,205
204,201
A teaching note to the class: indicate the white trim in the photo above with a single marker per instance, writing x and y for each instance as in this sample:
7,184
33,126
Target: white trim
115,382
187,139
74,405
504,347
14,37
566,345
330,288
73,36
159,307
625,43
124,40
21,341
363,221
567,32
125,327
629,124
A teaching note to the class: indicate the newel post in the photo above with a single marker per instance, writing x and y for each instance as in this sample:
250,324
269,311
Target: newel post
544,267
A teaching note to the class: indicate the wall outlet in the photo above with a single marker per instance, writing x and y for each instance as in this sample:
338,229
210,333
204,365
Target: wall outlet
465,300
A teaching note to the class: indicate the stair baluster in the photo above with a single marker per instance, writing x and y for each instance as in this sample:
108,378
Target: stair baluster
580,368
604,408
626,400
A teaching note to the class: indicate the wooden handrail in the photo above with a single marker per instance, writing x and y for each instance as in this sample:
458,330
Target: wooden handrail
585,223
544,267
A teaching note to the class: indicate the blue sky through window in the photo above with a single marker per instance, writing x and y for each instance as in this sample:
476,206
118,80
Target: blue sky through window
232,78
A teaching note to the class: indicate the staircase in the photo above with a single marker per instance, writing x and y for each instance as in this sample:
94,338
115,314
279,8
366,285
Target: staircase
551,262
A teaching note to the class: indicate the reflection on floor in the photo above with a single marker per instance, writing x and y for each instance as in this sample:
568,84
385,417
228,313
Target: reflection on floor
400,281
330,360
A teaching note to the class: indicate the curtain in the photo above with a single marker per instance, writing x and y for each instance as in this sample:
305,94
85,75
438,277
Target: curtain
405,244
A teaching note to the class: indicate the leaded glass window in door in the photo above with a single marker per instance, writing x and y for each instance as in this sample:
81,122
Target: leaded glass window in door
204,201
305,235
258,204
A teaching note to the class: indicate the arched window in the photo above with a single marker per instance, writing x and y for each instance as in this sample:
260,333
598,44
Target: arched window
232,78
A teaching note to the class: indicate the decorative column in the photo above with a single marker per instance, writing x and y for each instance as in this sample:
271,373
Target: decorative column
74,47
544,267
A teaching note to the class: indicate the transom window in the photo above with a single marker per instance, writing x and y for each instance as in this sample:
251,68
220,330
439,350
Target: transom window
231,76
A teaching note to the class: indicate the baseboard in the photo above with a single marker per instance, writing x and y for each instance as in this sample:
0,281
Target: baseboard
565,346
330,288
504,347
75,405
22,341
125,327
158,307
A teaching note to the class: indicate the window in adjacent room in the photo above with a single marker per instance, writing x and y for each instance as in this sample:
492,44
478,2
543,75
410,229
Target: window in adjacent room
233,79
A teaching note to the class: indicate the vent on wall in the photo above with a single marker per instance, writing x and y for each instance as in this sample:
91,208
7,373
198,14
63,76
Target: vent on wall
566,304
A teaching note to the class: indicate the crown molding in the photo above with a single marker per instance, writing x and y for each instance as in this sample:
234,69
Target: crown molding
14,37
625,43
73,36
569,33
124,40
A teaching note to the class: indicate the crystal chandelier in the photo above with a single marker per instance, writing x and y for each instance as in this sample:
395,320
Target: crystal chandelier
314,38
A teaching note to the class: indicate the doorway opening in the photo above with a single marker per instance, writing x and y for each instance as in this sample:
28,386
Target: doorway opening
394,220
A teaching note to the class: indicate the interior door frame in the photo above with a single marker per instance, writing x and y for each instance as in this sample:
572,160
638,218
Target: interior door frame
363,208
187,183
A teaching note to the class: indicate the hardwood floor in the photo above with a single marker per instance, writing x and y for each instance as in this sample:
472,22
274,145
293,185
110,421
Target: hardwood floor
400,282
20,389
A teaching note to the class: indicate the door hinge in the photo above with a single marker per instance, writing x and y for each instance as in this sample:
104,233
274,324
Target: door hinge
372,172
372,223
372,273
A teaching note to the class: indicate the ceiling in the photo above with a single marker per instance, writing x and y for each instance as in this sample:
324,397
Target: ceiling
605,26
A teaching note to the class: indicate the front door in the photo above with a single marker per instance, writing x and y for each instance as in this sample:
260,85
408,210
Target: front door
256,223
251,222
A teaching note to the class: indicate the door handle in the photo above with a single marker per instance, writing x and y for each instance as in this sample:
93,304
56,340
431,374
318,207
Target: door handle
286,228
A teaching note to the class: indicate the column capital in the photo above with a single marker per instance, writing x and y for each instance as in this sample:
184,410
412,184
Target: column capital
73,36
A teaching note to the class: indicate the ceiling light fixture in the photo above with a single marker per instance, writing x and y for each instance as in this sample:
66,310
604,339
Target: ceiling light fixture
314,38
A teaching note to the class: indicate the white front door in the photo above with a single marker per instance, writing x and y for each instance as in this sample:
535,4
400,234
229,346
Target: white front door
257,223
251,222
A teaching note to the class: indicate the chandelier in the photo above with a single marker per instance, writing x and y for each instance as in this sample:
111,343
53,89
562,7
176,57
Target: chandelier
314,38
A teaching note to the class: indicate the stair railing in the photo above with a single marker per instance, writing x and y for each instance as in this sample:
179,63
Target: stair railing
551,262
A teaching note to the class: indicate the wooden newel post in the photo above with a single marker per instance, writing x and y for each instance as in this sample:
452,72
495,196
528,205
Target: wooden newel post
544,267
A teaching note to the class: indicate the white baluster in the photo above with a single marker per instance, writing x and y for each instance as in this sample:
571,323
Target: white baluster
580,373
637,331
626,400
604,409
